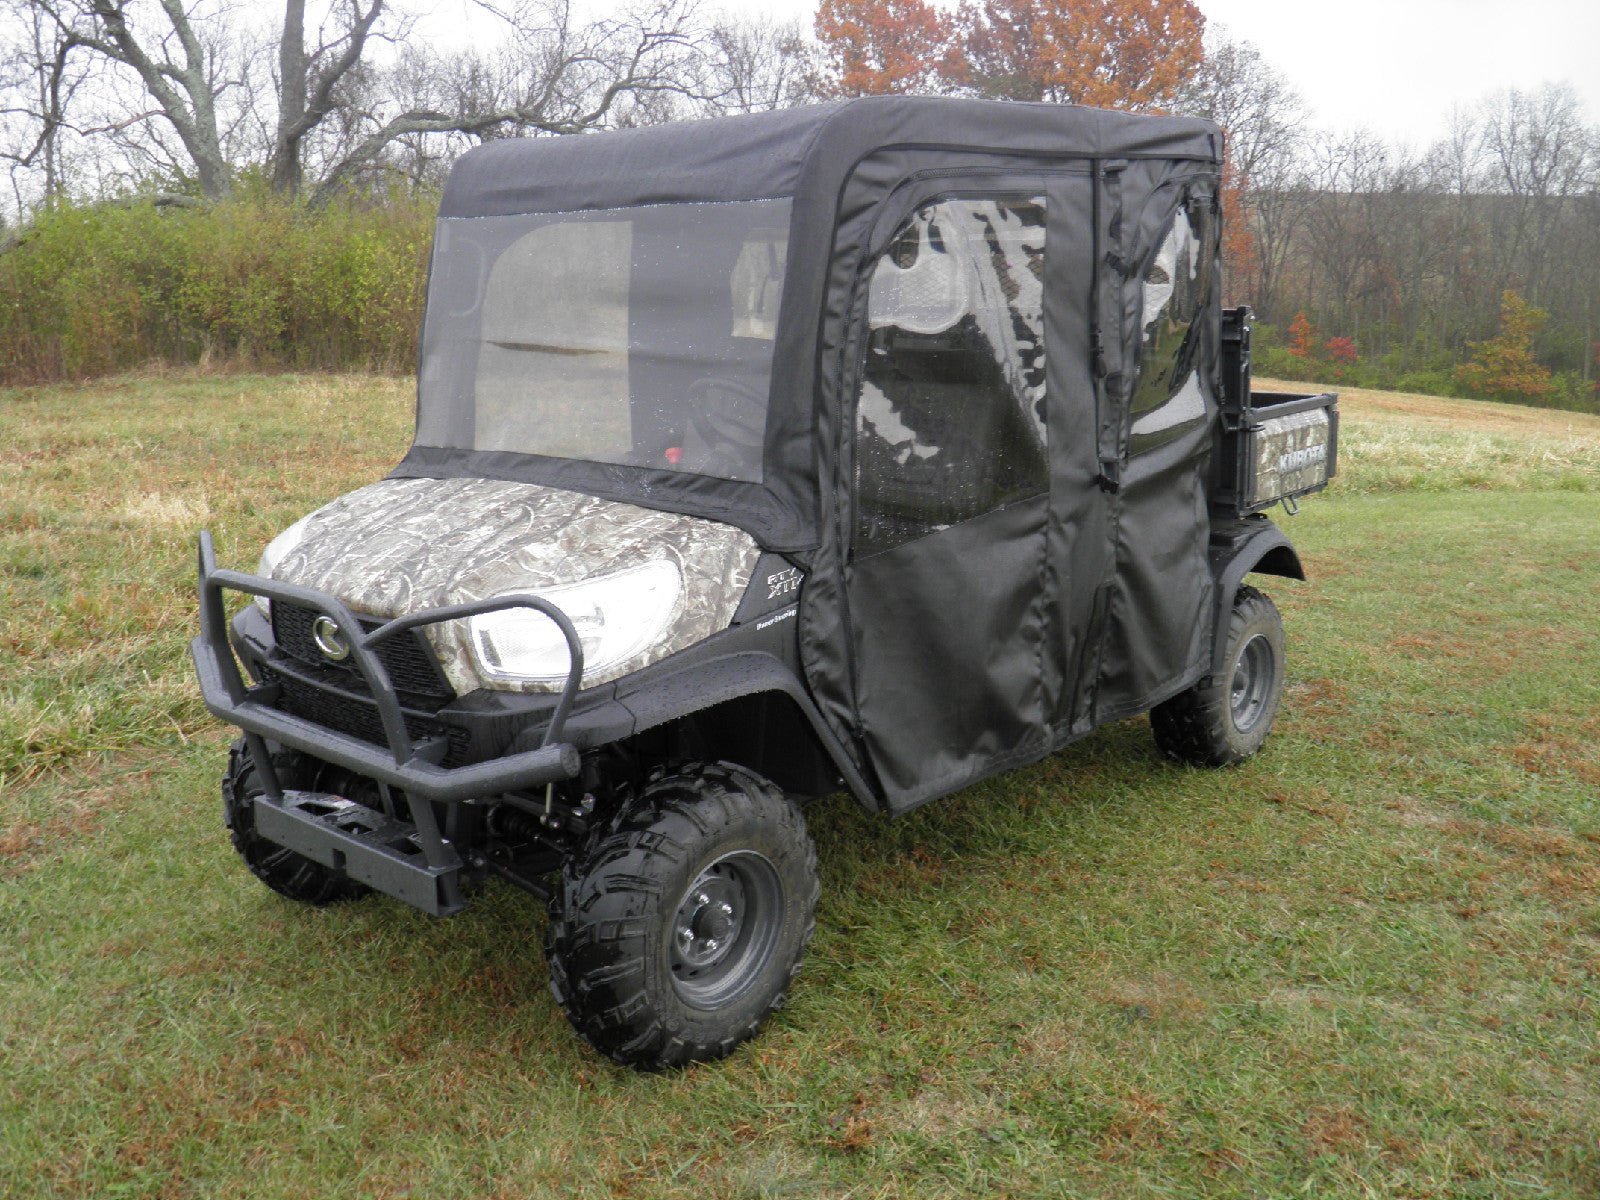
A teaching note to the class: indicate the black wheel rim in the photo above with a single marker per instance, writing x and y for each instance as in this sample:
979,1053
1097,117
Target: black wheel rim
725,929
1252,683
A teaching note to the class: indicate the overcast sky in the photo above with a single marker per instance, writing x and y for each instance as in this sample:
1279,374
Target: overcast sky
1398,66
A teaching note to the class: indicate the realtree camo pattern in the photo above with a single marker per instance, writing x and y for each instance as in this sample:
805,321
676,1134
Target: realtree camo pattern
402,545
1291,455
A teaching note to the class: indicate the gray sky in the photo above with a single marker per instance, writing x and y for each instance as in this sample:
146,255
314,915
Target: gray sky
1397,67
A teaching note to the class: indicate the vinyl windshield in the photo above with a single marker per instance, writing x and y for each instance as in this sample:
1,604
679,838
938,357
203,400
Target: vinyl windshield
641,336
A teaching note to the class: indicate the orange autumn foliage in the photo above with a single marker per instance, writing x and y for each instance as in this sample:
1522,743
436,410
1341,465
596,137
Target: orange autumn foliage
882,46
1104,53
1503,367
1302,337
1238,242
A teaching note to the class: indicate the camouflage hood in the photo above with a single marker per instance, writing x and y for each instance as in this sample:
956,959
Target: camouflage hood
402,545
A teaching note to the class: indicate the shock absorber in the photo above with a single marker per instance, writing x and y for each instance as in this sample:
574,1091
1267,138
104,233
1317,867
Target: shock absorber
514,825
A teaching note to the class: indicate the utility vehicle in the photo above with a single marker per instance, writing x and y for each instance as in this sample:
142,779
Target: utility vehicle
878,446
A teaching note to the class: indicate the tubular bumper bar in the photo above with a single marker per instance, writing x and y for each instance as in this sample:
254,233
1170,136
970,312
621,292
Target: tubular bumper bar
405,764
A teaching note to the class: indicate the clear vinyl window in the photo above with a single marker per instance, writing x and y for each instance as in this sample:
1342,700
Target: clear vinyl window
950,420
640,336
1168,399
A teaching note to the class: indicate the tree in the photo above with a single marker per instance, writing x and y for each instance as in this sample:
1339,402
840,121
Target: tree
756,64
195,75
1538,151
1503,367
1137,54
41,83
1302,337
879,46
181,69
552,77
308,83
1262,116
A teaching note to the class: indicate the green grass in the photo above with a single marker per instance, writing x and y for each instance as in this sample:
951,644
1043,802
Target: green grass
1363,964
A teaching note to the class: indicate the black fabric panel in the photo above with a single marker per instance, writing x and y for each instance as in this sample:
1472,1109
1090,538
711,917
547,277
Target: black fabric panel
1078,554
1158,622
868,208
948,631
768,154
725,158
1160,600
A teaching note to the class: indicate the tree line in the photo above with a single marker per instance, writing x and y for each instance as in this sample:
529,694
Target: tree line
1471,266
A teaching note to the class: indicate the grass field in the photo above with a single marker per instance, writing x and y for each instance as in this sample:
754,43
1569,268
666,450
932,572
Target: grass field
1367,963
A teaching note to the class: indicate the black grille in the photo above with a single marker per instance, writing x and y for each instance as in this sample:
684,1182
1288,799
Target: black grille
358,716
407,658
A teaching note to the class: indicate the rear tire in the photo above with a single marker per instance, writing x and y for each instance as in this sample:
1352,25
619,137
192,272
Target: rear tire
285,872
680,927
1224,719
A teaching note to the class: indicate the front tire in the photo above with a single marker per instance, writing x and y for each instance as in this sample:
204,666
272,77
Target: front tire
680,927
289,874
1224,719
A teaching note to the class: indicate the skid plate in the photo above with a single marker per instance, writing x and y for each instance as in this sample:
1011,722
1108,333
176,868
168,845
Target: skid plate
366,845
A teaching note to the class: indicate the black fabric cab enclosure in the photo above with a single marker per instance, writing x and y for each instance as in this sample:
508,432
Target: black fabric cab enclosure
956,359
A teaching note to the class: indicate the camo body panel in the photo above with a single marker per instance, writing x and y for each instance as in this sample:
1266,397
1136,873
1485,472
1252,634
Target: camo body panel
1291,455
402,545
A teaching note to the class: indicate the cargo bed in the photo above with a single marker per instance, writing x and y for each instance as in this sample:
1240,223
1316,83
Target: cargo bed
1271,447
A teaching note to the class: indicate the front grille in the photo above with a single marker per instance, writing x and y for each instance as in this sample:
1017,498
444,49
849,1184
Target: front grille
357,716
408,658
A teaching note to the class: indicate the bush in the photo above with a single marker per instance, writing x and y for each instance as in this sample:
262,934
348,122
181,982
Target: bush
1428,383
256,281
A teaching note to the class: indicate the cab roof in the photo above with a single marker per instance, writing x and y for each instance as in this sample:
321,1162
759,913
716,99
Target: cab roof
775,154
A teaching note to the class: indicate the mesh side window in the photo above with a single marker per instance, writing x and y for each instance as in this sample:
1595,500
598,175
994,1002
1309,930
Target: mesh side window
1168,399
950,420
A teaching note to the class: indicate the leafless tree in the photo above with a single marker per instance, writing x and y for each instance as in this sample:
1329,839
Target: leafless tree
754,64
1265,119
1252,100
1537,151
309,82
39,83
552,77
190,87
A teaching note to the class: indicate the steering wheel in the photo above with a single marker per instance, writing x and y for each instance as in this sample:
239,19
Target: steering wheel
726,431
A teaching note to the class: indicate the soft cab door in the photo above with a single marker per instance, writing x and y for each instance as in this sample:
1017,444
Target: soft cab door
949,587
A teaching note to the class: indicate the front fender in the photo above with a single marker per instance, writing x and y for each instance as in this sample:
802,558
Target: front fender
1237,550
667,693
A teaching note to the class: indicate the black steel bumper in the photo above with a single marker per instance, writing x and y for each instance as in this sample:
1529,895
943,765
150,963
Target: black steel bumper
405,764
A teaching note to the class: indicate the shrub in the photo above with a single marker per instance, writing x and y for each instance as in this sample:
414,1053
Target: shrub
258,281
1503,368
1302,337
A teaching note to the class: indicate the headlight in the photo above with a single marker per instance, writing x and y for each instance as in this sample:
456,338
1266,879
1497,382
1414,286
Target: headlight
277,550
616,616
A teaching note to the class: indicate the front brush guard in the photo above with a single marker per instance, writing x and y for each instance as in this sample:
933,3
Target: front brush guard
411,766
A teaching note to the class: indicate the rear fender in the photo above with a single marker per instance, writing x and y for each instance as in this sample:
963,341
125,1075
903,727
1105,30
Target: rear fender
1259,547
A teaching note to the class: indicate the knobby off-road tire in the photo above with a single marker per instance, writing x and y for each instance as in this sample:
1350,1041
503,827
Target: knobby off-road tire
1224,719
680,927
285,872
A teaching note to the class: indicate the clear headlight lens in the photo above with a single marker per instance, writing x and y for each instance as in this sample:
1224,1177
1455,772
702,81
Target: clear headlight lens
616,616
277,550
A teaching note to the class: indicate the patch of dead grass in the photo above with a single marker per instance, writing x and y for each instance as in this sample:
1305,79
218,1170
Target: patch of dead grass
1483,416
1334,1129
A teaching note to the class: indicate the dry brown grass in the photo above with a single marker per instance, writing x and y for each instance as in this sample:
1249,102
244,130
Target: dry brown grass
1400,441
